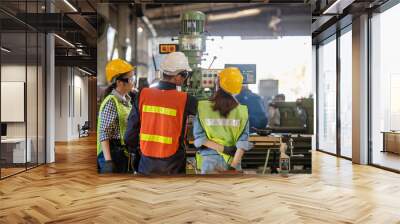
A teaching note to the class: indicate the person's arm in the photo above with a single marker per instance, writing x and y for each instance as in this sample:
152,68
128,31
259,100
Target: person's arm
105,145
133,127
191,105
278,117
108,116
242,145
263,113
213,145
237,158
199,134
200,137
243,141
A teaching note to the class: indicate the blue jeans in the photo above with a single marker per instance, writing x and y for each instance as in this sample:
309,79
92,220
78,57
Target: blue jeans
212,162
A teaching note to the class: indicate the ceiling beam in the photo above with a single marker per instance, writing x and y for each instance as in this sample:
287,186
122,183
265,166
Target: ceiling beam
176,11
77,18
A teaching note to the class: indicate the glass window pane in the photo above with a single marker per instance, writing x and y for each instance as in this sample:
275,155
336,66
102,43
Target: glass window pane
31,99
346,94
13,86
327,96
386,89
22,87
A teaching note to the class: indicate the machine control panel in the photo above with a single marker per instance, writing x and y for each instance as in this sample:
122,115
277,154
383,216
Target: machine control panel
208,77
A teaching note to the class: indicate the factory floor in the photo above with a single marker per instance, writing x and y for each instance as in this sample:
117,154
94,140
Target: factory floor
71,191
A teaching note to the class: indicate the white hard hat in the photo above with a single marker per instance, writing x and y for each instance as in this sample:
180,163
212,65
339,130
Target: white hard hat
174,63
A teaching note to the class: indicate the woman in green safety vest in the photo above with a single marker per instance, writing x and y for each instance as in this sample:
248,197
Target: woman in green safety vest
221,127
112,155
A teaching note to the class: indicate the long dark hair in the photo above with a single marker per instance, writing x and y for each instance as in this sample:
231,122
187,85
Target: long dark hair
109,89
223,102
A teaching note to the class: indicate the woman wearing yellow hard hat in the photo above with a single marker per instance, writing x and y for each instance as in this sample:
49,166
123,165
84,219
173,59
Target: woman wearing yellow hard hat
112,155
221,127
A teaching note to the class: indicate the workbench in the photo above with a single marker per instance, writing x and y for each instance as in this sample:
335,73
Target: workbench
268,143
266,152
261,144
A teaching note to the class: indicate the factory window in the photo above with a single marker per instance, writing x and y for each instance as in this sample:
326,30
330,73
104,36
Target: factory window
327,96
346,93
385,87
285,60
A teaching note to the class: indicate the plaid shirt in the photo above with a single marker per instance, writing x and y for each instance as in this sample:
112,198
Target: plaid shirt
109,124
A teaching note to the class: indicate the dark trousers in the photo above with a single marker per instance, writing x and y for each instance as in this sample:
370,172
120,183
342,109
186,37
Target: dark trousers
174,165
119,159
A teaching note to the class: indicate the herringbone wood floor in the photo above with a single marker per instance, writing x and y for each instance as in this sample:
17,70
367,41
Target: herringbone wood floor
71,191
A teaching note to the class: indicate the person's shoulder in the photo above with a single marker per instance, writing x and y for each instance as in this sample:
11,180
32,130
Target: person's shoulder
108,104
254,95
243,106
111,101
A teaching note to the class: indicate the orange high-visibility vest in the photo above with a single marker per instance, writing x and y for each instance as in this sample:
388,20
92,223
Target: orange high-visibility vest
161,119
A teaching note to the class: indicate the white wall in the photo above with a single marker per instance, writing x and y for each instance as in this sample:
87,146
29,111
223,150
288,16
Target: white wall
33,126
16,73
71,94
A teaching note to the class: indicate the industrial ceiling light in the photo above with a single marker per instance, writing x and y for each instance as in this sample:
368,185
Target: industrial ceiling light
274,23
5,50
65,41
234,15
70,5
149,26
140,29
79,51
337,7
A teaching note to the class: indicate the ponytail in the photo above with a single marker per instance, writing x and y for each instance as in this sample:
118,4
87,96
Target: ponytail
109,89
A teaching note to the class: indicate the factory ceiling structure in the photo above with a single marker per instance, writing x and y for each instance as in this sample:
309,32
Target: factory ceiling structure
75,22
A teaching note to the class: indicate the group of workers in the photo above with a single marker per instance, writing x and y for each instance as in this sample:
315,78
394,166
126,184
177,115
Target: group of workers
147,134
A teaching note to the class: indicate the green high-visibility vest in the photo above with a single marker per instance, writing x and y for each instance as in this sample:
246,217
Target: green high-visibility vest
123,113
223,130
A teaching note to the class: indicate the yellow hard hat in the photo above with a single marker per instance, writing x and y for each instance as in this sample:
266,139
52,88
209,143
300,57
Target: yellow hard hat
231,80
116,67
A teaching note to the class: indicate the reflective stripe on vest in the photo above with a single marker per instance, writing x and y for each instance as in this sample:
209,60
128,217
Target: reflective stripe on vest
223,122
159,110
161,119
224,131
123,113
155,138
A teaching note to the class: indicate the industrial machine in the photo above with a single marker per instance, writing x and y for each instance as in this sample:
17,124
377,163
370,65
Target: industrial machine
192,42
296,126
295,117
